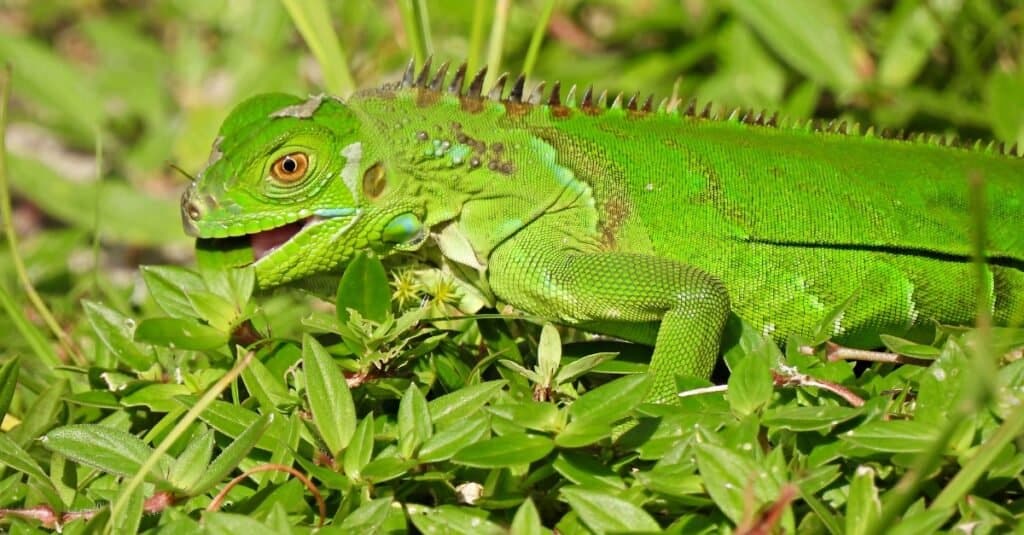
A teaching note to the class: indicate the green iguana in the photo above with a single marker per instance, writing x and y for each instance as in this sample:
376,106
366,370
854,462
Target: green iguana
649,224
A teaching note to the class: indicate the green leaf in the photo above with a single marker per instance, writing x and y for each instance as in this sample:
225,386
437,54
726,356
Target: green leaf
360,448
451,407
368,518
334,413
170,287
582,365
233,420
42,415
904,436
414,425
180,333
110,450
750,384
449,519
383,469
527,520
8,382
909,348
445,444
587,471
729,477
129,517
594,413
530,415
117,332
835,58
189,467
157,397
862,507
808,418
604,512
231,456
504,451
610,402
549,354
232,524
364,288
14,456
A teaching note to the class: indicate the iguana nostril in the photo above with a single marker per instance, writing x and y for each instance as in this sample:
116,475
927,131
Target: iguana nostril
193,211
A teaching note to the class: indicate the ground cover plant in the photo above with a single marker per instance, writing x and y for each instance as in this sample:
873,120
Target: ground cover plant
171,397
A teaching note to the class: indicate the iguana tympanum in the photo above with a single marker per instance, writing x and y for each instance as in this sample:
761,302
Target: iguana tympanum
650,224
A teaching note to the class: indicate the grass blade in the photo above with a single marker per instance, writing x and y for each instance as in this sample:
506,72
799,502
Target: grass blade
313,20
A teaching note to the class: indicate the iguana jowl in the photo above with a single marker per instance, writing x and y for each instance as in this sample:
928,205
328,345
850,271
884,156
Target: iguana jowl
651,225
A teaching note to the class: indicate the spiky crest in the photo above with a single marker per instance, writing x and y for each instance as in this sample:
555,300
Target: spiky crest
428,80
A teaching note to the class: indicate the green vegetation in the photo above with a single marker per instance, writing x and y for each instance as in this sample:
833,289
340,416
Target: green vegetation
131,397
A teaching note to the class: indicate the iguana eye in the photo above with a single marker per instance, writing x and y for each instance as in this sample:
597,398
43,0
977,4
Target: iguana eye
290,167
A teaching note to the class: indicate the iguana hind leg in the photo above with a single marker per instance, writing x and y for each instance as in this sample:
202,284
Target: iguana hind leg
582,289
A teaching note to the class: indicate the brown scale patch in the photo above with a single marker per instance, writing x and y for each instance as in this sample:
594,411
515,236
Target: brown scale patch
471,104
560,112
615,212
516,109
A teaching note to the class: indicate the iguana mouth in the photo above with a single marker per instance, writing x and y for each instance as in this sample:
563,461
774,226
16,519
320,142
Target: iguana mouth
268,241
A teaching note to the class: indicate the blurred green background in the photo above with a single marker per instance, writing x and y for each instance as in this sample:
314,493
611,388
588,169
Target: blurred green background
108,94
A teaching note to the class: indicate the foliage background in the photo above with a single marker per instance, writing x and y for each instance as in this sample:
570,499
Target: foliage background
107,93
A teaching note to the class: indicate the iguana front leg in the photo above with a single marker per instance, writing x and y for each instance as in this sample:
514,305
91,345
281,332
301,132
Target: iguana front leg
578,288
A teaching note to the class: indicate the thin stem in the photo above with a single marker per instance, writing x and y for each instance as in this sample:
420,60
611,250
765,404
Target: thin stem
496,42
476,35
12,238
537,38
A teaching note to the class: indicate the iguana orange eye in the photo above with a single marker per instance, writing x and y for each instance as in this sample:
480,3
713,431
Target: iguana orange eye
290,167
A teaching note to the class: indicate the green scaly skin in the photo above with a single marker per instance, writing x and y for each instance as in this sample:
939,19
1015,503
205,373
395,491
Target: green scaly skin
651,225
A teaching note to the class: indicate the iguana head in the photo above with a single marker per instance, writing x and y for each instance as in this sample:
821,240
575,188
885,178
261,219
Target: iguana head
292,179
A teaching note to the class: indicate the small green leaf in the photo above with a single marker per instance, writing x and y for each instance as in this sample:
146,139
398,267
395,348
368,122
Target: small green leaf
729,479
368,518
383,469
189,467
116,332
129,517
549,354
808,418
360,448
110,450
504,451
334,413
582,365
42,415
364,288
611,402
587,471
909,348
530,415
14,456
414,425
529,374
170,287
904,436
444,444
750,384
231,456
233,420
180,333
605,512
456,405
449,519
862,507
527,520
